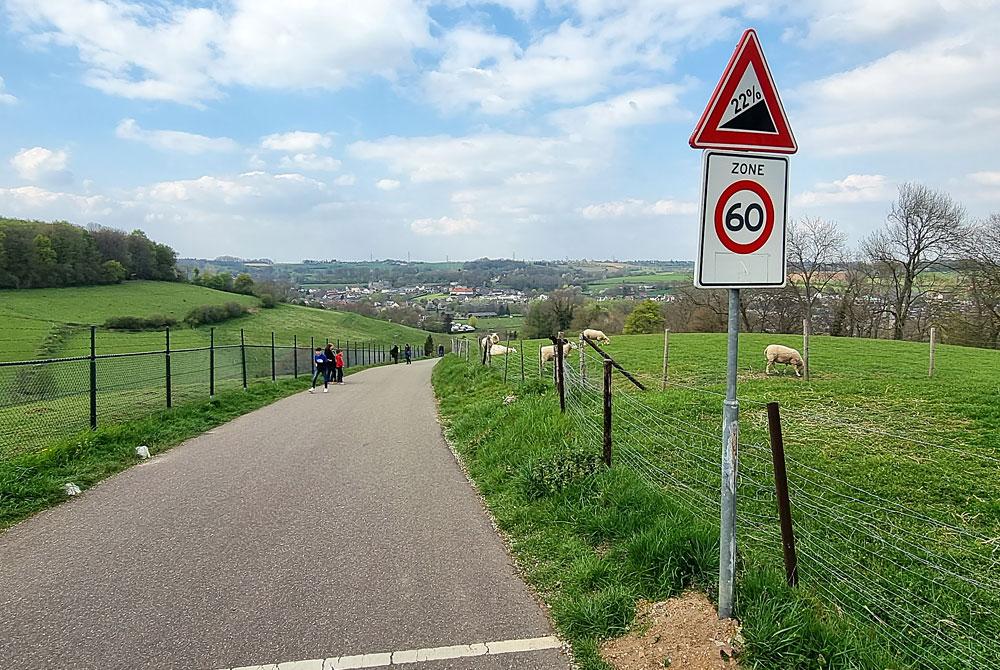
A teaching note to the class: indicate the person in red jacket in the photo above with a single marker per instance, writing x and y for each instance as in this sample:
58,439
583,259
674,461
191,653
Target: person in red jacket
339,369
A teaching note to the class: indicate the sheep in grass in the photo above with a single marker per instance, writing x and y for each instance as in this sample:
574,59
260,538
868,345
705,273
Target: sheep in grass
548,353
485,342
596,336
501,350
776,353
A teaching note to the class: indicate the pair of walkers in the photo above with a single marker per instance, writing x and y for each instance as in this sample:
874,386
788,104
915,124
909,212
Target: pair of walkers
329,363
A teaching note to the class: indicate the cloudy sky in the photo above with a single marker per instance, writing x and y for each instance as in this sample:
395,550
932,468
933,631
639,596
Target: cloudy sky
539,128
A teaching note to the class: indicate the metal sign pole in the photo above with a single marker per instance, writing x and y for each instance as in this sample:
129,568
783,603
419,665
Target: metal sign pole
730,458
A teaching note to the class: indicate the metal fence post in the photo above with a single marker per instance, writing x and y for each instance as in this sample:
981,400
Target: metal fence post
273,376
781,489
930,369
93,377
312,355
243,358
211,362
607,411
730,448
295,356
560,379
167,358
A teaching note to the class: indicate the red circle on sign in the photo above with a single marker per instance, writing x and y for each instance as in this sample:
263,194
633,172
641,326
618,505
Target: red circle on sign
720,207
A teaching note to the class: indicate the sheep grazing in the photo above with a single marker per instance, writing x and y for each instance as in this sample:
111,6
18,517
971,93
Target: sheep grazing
548,353
596,336
488,340
776,353
501,350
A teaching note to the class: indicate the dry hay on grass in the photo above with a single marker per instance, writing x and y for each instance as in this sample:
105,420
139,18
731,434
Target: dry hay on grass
683,633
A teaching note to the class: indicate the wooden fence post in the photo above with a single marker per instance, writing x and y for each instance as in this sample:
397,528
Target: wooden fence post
930,369
805,348
781,490
607,411
666,358
560,373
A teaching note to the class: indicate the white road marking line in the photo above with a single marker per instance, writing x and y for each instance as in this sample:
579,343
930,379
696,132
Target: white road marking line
408,656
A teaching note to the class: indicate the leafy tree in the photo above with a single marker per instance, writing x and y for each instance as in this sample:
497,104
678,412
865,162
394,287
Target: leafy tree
429,346
645,318
113,272
243,284
473,321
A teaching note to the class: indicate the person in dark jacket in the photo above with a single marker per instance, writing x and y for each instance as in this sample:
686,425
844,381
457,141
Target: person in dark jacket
394,353
321,367
407,353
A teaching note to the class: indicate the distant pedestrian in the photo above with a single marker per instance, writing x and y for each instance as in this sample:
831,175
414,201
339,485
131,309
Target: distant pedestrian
321,367
407,353
338,367
394,353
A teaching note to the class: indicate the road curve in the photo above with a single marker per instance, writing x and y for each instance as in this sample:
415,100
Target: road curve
322,526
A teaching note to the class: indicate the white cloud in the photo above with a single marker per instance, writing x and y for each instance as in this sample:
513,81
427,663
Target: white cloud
39,163
345,180
36,202
5,97
444,226
633,207
310,163
599,45
851,189
909,98
638,107
187,54
174,140
387,184
256,188
986,178
297,141
490,156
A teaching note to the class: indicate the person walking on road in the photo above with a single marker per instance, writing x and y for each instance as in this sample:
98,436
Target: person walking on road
394,353
321,367
407,353
338,366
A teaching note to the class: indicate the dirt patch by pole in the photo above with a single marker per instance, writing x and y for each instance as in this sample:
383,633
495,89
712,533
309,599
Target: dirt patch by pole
682,633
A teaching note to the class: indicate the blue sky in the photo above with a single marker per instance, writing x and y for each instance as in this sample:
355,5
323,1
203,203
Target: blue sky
542,129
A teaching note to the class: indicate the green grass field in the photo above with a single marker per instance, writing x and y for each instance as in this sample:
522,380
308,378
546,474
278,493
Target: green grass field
650,278
30,319
500,324
894,491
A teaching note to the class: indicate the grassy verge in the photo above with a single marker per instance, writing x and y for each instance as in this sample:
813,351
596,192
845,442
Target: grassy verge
33,481
594,541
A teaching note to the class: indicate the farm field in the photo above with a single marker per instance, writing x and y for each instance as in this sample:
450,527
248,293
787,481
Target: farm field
58,317
650,278
500,324
893,476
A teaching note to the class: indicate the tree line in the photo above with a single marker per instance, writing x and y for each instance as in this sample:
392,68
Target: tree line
927,265
37,254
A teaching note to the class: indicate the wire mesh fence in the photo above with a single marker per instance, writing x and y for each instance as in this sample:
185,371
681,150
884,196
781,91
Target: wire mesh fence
47,399
893,540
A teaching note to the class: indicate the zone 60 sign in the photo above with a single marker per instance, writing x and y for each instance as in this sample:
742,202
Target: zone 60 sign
742,221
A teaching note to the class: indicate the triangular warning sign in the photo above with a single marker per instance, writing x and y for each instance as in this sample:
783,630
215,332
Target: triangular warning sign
745,111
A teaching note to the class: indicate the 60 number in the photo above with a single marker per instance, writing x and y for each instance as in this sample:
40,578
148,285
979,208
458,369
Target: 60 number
736,221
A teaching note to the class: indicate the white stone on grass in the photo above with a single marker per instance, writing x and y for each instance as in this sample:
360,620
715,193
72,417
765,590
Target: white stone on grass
142,451
71,489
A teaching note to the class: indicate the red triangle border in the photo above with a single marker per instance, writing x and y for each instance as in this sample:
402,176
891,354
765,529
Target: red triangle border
708,135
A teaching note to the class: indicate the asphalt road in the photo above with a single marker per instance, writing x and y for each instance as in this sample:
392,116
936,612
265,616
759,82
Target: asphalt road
321,526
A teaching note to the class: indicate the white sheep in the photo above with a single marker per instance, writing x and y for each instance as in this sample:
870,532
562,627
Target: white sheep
548,353
500,350
777,353
488,340
596,336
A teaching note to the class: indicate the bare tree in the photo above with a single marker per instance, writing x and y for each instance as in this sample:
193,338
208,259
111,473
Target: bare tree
923,227
980,279
814,246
